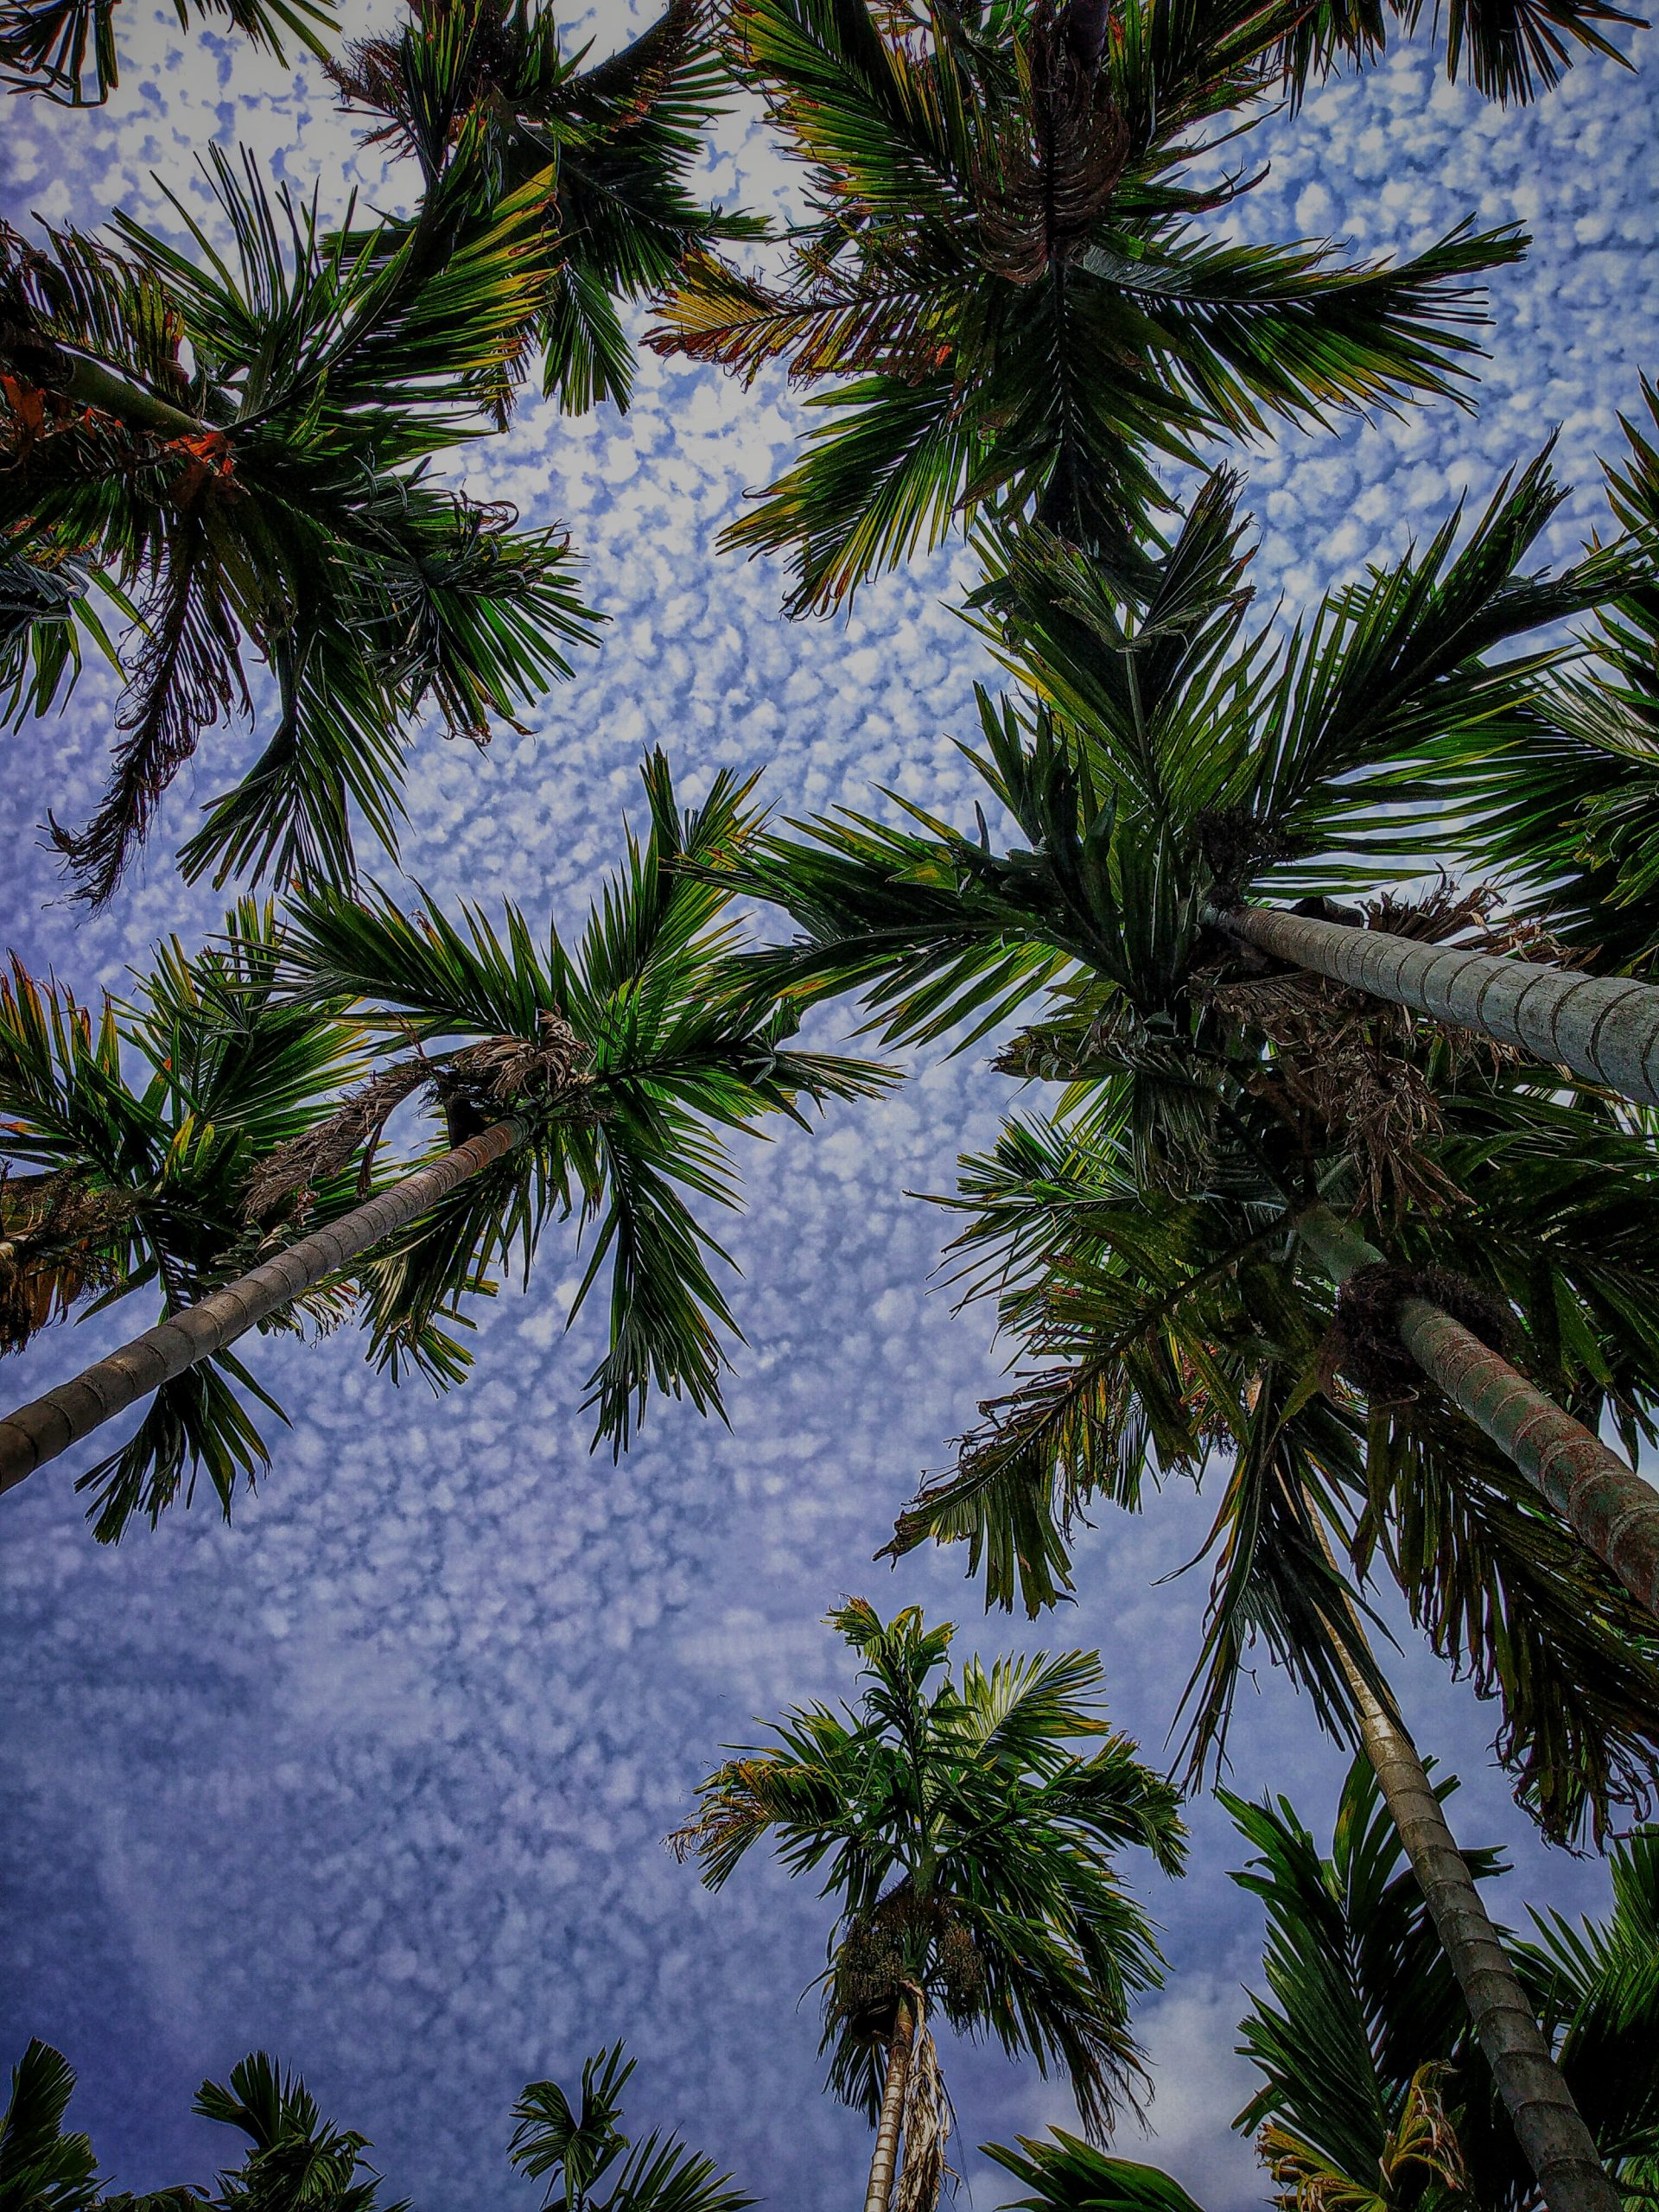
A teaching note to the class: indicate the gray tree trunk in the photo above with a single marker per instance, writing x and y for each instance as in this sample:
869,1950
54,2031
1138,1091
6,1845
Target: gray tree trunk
1549,2126
47,1425
885,2162
1602,1027
1606,1503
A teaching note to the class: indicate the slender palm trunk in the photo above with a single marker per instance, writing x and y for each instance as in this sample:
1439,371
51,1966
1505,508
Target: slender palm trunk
39,1430
885,2163
1606,1504
1547,2125
1602,1027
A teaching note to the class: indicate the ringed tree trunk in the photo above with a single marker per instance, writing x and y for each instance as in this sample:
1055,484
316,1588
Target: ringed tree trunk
49,1424
1549,2125
1606,1504
885,2162
1602,1027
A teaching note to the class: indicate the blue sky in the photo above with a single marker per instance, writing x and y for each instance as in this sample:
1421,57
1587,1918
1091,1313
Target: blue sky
377,1777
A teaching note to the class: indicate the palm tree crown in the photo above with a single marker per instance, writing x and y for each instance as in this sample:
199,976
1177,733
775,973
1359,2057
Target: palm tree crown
1006,280
967,1847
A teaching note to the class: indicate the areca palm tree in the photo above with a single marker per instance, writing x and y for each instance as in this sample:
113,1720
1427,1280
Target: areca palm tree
602,1079
66,49
576,2147
244,442
130,1136
1371,2097
481,85
968,1848
1167,764
1005,284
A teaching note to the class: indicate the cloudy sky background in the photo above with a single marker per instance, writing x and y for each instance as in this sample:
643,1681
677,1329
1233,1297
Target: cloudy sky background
377,1777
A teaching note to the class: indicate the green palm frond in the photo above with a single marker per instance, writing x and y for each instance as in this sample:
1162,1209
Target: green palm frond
1512,51
673,1063
66,49
1065,2174
274,501
1010,294
41,2169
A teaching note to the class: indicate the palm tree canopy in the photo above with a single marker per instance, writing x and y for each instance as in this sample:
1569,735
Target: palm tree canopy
1163,760
138,1132
1510,50
645,1062
482,85
968,1848
1159,1327
1007,284
66,49
576,2147
267,491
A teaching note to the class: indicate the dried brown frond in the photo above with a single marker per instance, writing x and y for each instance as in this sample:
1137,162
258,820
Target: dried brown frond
926,2124
294,1169
507,1067
59,1238
491,1073
1041,185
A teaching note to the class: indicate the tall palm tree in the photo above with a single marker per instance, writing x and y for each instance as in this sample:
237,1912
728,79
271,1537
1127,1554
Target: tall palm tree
1372,2098
1167,762
576,2147
968,1848
1005,284
602,1079
267,493
66,49
481,86
130,1136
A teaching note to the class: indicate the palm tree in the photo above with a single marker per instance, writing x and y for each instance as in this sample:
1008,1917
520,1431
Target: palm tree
273,495
481,86
968,1849
1166,762
130,1139
1005,284
577,2146
1371,2097
1175,1324
602,1079
66,48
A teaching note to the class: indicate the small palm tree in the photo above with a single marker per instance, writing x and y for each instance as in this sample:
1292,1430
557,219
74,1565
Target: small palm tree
1005,284
576,2147
66,48
244,443
480,88
969,1847
602,1079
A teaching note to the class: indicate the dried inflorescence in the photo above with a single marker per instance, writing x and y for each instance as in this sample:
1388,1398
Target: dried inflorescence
494,1072
59,1238
1352,1064
1365,1342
